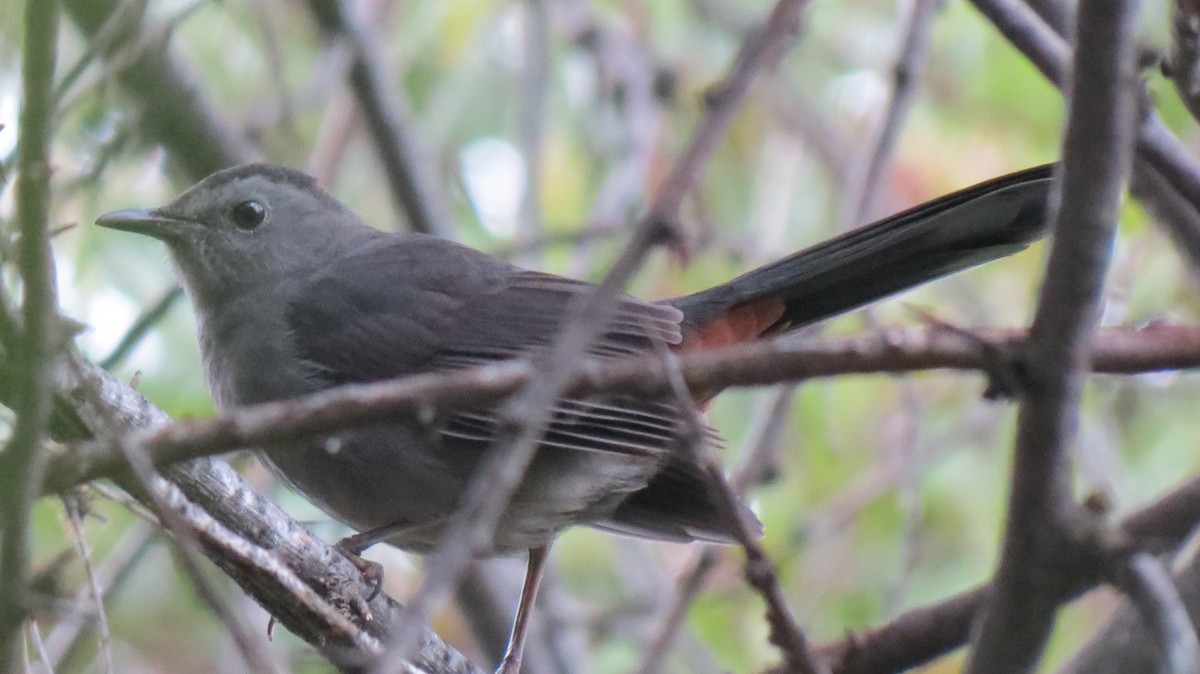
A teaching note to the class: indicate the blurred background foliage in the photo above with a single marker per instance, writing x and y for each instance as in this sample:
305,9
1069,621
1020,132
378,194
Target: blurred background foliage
887,493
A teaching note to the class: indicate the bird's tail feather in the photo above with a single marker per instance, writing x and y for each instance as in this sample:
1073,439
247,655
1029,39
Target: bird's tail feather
960,230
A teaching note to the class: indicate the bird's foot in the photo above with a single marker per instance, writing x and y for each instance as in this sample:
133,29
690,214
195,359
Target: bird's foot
351,548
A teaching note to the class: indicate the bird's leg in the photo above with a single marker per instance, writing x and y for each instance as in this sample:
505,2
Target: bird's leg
516,642
352,548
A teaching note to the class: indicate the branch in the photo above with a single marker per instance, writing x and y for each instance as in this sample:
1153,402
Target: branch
533,105
1159,154
185,532
65,642
759,463
1184,67
22,464
1043,524
1126,643
922,634
175,111
786,633
271,556
425,396
1152,592
141,327
410,177
75,514
862,198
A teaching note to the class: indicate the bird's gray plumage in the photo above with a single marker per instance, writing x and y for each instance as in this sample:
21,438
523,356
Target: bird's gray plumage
312,298
294,294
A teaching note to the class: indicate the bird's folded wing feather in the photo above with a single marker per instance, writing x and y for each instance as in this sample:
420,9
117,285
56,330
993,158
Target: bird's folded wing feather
414,304
409,304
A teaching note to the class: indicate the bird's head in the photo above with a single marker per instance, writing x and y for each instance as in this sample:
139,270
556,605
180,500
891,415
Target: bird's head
246,227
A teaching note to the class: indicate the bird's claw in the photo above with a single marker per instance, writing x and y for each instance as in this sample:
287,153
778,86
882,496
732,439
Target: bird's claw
372,571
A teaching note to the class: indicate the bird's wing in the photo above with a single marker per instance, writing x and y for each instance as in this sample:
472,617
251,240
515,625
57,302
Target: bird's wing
404,305
416,304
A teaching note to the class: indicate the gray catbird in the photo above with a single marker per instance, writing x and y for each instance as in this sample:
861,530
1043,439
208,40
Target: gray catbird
294,294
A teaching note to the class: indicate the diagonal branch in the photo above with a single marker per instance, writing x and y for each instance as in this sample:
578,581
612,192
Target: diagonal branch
1129,643
174,111
923,634
1165,172
409,174
1151,590
271,556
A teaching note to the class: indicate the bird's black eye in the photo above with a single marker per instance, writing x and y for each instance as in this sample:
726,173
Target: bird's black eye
248,214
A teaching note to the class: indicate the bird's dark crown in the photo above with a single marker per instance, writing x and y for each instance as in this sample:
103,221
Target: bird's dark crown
271,172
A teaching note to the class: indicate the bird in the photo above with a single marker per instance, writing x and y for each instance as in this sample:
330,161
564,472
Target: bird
293,294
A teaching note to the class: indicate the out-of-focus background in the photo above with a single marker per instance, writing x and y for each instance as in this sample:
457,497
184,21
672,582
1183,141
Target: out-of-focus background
542,129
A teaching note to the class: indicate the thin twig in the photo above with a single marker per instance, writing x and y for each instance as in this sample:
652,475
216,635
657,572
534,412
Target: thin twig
785,631
1044,522
533,105
250,644
142,327
862,199
626,74
113,572
273,55
177,114
35,635
1151,590
1158,150
22,464
339,123
757,465
410,174
75,515
687,588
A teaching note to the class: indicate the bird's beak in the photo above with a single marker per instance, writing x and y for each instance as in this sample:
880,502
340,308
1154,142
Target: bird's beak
146,221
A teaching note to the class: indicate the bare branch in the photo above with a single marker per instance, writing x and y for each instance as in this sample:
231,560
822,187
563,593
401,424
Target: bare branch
757,465
922,634
75,515
142,327
1159,153
410,174
533,103
1184,67
1123,351
1043,526
786,633
251,645
183,120
863,198
1130,642
22,463
63,642
1151,590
